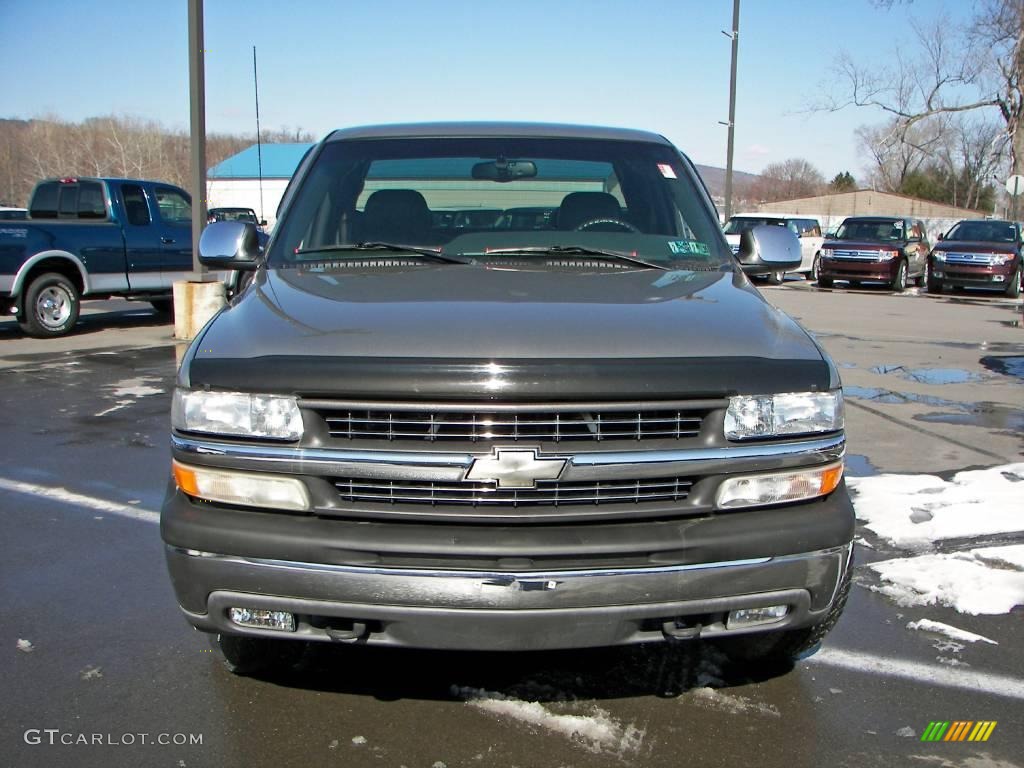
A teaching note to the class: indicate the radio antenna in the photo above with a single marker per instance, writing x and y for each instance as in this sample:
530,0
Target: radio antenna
259,149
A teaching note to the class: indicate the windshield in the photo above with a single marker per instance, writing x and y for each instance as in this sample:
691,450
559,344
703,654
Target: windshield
737,225
479,195
881,231
984,231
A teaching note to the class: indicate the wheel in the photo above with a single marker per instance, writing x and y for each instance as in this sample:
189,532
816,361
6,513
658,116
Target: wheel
930,283
853,283
776,278
163,306
788,645
825,282
815,268
615,222
899,282
51,306
1014,286
921,280
246,656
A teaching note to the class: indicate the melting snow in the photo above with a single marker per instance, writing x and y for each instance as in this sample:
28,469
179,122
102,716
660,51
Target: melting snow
136,388
736,705
25,645
91,673
954,633
963,580
358,740
596,732
914,511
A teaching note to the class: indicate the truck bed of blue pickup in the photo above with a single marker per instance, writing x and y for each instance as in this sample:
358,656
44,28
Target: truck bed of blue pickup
94,238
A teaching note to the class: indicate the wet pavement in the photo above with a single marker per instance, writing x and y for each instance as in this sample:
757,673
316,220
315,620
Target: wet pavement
92,641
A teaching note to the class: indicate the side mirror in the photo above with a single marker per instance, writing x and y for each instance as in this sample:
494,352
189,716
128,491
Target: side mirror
263,222
941,236
230,245
765,249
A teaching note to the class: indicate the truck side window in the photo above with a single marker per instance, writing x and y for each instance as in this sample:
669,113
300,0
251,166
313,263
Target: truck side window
174,208
135,205
91,204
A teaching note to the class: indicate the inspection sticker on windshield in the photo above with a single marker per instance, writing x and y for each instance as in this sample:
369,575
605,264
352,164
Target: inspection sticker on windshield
689,247
667,171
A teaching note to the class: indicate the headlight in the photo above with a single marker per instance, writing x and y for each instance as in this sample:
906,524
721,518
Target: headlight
779,487
939,255
826,253
236,413
887,255
795,413
999,260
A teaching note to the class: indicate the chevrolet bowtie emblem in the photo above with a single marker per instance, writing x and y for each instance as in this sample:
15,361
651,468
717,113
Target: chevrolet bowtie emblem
515,468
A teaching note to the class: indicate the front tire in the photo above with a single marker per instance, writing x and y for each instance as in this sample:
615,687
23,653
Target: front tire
1013,288
815,268
52,305
899,282
163,307
787,646
249,656
931,284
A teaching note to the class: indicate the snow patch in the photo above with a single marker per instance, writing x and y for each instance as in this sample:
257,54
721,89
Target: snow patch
736,705
913,511
953,633
136,388
359,740
961,580
91,673
596,732
25,646
906,732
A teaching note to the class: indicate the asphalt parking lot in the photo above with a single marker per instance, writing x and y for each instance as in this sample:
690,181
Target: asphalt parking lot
92,641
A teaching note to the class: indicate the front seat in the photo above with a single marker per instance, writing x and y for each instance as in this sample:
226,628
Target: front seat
397,216
580,207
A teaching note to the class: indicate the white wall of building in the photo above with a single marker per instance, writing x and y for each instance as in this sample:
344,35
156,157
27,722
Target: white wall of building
245,193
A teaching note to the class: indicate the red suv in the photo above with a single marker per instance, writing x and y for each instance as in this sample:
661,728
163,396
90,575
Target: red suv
980,253
889,249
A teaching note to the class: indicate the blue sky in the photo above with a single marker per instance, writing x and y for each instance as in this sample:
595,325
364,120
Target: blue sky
661,66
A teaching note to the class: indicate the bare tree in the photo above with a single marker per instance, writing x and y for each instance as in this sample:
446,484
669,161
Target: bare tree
954,70
792,178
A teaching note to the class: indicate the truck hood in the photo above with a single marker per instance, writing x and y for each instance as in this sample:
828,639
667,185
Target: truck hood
403,327
864,245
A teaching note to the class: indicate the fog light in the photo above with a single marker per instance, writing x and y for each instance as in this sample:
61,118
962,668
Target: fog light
779,487
749,617
260,619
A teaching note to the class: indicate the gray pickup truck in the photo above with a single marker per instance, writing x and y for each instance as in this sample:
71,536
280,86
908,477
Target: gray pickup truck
583,427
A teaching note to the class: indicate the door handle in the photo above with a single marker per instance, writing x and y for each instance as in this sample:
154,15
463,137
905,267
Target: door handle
167,240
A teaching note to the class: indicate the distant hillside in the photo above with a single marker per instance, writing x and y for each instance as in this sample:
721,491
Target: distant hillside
715,180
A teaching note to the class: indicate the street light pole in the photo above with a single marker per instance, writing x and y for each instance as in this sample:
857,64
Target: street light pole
732,106
197,102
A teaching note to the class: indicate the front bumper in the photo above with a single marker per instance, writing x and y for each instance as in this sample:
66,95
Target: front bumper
506,611
966,276
336,575
840,269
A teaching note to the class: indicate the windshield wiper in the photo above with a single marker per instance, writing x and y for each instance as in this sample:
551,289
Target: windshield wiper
396,248
573,250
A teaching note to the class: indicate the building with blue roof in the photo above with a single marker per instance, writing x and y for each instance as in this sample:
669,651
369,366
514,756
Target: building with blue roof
235,182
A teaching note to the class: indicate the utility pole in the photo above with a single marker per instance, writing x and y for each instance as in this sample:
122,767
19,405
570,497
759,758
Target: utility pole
197,101
735,35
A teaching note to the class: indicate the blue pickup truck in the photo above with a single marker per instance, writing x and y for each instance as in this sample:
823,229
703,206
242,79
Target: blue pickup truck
93,238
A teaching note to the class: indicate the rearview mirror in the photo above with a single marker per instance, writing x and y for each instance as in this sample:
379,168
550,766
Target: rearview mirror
230,245
766,249
505,170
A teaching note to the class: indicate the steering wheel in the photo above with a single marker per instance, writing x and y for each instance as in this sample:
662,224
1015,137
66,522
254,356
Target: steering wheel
616,222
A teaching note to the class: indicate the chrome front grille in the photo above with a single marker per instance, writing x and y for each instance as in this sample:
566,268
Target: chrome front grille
437,424
979,259
553,493
858,255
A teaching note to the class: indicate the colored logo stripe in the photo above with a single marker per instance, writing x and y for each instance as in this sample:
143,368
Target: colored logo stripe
958,730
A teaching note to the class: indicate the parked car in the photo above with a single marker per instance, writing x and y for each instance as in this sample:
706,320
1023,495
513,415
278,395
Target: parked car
513,438
807,229
94,238
247,215
978,253
12,214
887,249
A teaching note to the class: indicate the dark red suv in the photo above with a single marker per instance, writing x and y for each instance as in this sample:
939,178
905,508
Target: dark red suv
978,253
888,249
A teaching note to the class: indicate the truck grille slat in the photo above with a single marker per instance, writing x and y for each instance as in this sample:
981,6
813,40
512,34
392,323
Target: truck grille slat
977,259
553,493
535,426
